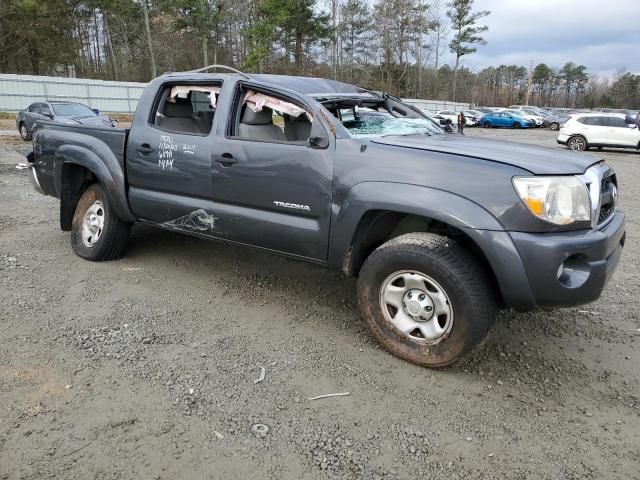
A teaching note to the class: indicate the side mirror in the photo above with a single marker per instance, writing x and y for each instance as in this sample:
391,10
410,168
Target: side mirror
318,142
96,111
48,115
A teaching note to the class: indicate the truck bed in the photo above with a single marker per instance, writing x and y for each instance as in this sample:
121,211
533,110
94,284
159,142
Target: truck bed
52,139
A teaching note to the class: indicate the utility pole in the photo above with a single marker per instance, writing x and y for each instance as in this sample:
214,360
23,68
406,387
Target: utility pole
529,83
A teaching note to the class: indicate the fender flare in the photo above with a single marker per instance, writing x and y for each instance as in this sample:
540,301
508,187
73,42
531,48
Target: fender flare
99,160
459,212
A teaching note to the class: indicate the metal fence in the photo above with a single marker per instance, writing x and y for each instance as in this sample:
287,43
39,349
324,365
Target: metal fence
19,91
436,105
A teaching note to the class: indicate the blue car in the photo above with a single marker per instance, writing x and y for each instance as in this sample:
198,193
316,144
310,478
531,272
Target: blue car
503,119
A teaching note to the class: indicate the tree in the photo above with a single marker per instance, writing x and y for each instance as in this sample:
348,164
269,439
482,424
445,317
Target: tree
294,24
466,32
147,30
354,35
199,16
541,79
574,78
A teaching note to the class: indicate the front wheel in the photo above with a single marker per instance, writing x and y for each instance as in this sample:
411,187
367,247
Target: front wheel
554,126
426,299
577,143
486,124
96,232
516,125
24,132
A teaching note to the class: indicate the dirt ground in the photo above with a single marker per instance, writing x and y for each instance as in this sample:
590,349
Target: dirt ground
146,367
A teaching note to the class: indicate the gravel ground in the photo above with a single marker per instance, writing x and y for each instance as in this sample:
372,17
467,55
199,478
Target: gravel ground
146,367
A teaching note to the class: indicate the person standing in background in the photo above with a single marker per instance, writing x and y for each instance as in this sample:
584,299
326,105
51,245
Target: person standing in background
461,121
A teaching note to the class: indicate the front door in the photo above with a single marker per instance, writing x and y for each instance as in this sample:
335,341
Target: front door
269,187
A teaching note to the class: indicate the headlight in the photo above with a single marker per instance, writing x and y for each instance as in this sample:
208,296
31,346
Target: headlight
559,200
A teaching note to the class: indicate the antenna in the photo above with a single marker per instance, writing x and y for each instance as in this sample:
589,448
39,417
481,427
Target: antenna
224,67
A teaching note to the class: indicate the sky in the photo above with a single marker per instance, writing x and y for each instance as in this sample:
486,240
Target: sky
604,35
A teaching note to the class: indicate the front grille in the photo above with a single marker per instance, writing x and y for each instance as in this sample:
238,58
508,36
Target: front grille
608,189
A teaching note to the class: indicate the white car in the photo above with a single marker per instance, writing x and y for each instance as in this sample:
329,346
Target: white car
586,130
448,115
472,117
537,119
453,117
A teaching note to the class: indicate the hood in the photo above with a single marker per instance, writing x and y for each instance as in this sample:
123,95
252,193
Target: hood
537,160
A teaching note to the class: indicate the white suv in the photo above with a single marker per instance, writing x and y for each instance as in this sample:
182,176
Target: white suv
586,130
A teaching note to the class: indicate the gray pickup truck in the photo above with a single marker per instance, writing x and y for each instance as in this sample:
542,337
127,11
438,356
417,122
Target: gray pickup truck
441,230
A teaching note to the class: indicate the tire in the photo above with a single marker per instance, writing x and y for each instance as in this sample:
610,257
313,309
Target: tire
554,126
440,268
577,143
97,234
516,125
25,134
486,124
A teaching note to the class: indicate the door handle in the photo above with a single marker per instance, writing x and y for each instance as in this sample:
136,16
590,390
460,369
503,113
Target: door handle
144,149
226,160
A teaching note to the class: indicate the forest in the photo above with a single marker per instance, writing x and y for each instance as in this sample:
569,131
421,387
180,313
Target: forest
411,48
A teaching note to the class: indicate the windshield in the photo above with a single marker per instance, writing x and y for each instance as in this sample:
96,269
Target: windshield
72,110
383,125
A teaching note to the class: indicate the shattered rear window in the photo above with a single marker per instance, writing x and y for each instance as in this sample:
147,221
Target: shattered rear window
381,125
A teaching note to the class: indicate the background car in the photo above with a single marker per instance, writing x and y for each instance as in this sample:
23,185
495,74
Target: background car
472,117
554,121
505,119
450,115
536,119
61,112
583,131
484,110
444,123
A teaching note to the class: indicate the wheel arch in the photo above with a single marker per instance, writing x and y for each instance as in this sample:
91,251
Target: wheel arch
400,209
77,167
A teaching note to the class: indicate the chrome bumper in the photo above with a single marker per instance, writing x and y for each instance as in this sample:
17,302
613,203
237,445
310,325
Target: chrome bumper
34,179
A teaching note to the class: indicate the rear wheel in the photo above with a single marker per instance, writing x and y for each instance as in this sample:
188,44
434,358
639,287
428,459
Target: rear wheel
426,299
96,232
24,132
554,126
486,124
516,125
577,143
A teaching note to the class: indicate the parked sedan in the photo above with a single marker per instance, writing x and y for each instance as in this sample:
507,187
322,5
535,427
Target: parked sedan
61,112
555,120
536,119
472,117
504,119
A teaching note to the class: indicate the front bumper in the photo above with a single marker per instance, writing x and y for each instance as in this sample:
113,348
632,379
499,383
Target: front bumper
562,139
33,174
570,268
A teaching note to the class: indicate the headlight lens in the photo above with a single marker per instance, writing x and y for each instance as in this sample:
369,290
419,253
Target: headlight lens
559,200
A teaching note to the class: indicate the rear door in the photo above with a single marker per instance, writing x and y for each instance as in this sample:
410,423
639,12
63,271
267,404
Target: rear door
621,133
271,185
168,157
